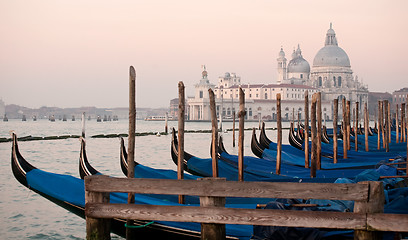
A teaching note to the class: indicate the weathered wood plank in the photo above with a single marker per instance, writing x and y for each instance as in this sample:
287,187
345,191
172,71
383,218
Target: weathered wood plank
265,217
387,222
229,188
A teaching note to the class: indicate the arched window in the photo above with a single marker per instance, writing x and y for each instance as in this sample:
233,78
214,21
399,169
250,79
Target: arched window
320,82
334,81
339,81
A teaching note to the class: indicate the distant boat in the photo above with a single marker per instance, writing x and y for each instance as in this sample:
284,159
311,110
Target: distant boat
24,118
98,119
159,118
5,119
73,118
34,118
105,118
115,118
52,118
64,118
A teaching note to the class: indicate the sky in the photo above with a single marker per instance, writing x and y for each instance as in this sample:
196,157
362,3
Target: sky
77,53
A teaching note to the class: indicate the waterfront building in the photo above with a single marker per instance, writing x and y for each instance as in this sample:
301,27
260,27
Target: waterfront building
331,74
400,96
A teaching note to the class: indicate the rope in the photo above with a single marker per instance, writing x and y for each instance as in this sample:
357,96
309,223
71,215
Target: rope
139,226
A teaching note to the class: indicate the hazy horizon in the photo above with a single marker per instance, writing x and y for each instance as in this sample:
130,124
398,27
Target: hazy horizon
77,53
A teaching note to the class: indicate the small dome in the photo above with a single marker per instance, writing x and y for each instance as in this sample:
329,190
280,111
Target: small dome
331,55
281,53
227,75
298,65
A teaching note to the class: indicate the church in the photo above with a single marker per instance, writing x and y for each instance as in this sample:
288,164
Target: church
330,74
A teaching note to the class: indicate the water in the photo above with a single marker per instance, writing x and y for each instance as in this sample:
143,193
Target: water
27,215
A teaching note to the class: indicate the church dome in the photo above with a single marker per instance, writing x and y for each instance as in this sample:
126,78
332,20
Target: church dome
298,64
331,55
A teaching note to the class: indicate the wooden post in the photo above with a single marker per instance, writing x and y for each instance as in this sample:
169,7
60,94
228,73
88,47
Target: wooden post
83,124
379,126
348,127
387,125
397,124
97,228
374,204
356,128
403,124
389,121
130,233
319,130
279,140
383,123
180,160
233,121
212,230
233,128
306,129
344,129
214,130
335,115
366,126
166,130
241,116
406,125
314,136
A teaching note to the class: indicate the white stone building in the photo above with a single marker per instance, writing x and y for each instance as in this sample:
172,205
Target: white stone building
330,73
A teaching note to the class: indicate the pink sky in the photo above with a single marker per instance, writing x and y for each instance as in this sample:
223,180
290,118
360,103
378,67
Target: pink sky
77,53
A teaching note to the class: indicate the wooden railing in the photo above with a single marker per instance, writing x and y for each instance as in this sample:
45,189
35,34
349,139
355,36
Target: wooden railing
367,219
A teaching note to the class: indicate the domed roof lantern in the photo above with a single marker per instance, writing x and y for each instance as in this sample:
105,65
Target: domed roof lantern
298,51
293,53
281,53
331,37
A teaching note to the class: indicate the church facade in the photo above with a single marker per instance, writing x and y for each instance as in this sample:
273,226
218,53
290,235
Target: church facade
330,74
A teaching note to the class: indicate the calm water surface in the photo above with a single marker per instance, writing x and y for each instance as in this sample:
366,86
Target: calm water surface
26,215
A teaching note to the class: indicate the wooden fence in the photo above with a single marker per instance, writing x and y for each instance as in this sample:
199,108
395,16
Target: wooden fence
367,219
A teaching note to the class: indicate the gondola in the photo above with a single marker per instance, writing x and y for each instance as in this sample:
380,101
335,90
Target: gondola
68,192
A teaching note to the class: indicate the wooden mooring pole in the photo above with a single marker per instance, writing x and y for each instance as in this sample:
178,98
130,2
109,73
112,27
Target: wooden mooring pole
356,128
166,129
180,135
383,124
233,125
319,130
214,131
396,124
314,136
403,124
241,116
366,126
379,126
387,125
306,130
389,113
335,115
279,140
130,233
344,123
83,124
348,126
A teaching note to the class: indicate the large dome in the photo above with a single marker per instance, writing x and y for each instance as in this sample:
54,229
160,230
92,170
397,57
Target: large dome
298,65
331,55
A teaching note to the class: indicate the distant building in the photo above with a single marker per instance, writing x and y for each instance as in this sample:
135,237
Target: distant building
373,98
330,74
400,96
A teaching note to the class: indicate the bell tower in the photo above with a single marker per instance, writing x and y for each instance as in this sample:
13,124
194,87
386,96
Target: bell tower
281,66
